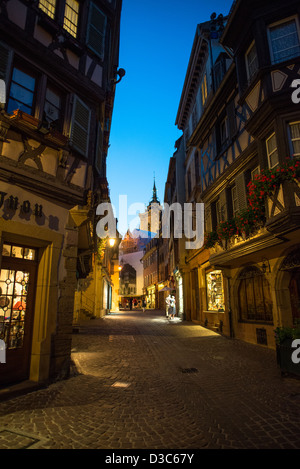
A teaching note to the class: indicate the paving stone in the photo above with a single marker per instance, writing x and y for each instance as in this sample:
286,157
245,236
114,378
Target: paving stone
128,391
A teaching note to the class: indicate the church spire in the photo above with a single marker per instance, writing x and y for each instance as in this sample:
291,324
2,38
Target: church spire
154,194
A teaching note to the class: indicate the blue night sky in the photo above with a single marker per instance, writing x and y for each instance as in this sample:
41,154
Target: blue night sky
156,42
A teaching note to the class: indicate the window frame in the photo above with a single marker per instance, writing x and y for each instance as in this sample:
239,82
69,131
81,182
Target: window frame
278,23
270,154
293,154
31,74
65,27
250,77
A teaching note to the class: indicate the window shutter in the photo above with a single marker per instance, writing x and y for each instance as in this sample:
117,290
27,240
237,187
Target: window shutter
80,125
99,149
6,55
208,218
223,205
96,30
241,190
232,127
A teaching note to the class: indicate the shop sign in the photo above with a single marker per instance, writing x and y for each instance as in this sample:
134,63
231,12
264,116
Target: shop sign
26,207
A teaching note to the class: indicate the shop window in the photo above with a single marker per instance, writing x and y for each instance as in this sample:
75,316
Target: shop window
48,7
71,17
272,151
214,288
21,94
294,135
284,40
255,303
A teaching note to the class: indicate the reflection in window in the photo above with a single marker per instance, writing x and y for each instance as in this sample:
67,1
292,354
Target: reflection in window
252,62
71,17
214,287
21,92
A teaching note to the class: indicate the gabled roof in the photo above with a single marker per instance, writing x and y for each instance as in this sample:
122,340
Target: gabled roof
193,74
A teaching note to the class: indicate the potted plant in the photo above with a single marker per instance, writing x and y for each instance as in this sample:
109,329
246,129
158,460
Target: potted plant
286,349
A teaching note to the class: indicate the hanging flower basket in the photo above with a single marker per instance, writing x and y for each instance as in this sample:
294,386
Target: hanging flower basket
249,220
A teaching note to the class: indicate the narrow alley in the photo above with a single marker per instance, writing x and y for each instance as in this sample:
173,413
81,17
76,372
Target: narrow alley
140,381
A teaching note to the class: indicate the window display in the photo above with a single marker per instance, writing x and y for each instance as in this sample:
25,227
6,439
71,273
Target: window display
214,288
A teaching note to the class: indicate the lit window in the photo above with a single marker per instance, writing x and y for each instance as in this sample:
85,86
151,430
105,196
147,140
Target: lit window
214,289
21,92
284,41
294,130
48,7
272,151
71,17
251,61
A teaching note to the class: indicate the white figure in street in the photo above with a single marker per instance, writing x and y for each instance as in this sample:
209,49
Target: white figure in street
2,352
170,300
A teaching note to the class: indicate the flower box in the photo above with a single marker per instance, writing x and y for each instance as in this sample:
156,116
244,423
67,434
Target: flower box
24,118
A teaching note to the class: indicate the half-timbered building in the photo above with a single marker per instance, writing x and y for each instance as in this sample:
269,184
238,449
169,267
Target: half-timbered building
247,142
58,70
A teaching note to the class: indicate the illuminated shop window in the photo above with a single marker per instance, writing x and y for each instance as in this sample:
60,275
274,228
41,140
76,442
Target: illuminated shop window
48,7
214,288
71,17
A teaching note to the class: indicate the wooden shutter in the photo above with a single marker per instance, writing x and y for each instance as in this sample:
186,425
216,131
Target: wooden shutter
96,30
241,191
80,125
6,55
99,149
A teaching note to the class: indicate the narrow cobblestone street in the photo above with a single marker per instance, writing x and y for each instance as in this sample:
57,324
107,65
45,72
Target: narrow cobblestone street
143,382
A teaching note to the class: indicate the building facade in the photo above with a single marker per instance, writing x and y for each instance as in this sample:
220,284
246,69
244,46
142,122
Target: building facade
58,61
244,153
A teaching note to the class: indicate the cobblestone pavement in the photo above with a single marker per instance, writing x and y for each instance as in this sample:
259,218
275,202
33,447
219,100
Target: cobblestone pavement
148,383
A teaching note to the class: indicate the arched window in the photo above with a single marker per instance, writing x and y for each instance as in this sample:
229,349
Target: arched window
254,296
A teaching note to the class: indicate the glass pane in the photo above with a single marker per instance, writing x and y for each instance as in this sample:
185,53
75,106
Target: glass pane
48,6
6,250
295,130
21,78
13,293
285,41
29,254
17,251
274,159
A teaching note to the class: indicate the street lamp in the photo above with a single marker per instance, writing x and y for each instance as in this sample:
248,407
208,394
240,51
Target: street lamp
111,242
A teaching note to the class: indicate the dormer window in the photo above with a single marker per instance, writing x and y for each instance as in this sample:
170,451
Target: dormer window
284,40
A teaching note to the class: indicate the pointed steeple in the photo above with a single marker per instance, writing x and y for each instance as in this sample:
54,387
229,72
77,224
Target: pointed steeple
154,194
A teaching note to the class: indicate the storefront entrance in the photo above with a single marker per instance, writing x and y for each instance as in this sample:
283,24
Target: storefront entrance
17,295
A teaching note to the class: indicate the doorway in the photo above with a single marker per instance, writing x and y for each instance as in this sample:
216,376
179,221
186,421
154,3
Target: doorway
17,298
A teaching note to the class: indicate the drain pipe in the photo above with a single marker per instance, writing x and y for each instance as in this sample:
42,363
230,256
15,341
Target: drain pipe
229,309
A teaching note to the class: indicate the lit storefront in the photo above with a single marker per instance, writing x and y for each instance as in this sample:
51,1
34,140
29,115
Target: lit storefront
214,290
